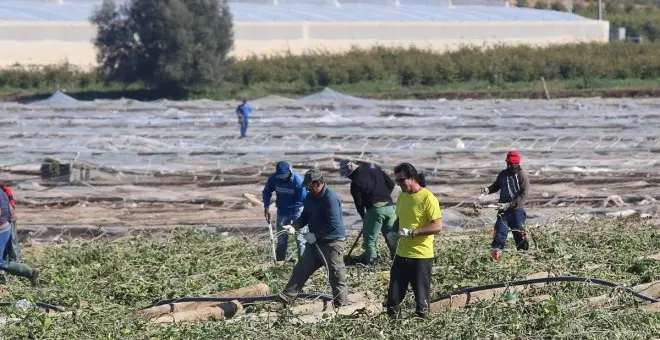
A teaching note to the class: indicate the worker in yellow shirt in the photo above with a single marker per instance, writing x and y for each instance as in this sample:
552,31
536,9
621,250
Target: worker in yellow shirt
418,218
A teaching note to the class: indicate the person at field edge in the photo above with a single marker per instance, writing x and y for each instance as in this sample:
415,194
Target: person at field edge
513,185
13,249
243,112
291,194
322,212
12,267
418,218
371,189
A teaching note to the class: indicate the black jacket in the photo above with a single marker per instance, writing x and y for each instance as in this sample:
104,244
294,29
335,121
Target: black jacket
370,184
513,185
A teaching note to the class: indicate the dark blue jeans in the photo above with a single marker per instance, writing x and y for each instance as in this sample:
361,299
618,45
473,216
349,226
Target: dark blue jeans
513,220
5,238
244,127
283,240
13,248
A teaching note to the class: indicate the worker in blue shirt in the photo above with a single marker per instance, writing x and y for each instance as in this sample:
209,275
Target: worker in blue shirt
326,237
290,197
243,112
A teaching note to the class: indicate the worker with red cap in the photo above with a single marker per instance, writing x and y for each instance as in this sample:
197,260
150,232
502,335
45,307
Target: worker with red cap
513,185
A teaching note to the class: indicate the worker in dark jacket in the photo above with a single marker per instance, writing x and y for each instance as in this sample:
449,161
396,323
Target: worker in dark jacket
11,267
13,248
371,189
513,185
322,213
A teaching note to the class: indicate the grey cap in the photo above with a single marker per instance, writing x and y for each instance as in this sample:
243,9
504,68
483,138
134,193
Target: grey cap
312,175
346,168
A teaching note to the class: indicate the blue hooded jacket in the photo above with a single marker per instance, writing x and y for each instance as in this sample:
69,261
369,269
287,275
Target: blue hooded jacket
290,194
244,110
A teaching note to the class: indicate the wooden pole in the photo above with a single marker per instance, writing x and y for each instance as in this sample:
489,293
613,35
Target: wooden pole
545,87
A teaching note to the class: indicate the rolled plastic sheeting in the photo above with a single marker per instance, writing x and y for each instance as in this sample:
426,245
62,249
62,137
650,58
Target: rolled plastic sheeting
259,289
224,310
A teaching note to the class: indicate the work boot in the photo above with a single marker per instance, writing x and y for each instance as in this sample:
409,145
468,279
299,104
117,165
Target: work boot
524,245
286,299
367,258
22,270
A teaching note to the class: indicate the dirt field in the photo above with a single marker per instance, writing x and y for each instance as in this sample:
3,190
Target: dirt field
161,165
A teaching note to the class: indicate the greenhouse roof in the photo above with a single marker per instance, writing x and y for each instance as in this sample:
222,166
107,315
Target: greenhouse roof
410,10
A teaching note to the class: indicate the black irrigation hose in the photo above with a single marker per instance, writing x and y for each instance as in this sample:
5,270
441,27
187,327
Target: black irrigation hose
546,280
242,300
43,305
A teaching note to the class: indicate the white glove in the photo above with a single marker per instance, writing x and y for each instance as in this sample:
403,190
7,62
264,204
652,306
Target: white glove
405,232
289,228
485,191
392,237
503,206
310,238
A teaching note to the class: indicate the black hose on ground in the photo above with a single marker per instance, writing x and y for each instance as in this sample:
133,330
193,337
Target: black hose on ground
242,300
546,280
44,305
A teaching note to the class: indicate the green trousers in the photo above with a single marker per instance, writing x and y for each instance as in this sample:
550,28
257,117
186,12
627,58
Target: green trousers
377,220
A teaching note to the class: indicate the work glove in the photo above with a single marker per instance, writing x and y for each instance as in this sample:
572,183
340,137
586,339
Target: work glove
392,237
267,215
485,191
310,238
405,232
289,228
503,206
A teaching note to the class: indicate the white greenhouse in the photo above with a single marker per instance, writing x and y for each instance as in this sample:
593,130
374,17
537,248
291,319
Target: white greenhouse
53,31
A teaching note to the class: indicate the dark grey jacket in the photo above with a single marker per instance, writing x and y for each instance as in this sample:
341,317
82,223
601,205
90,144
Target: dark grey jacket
513,185
323,215
5,208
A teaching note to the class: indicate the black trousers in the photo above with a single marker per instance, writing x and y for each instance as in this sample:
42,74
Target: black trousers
417,273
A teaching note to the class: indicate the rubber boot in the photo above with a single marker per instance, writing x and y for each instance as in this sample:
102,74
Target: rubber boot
369,259
22,270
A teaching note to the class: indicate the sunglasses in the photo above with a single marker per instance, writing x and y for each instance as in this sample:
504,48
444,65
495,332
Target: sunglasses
400,180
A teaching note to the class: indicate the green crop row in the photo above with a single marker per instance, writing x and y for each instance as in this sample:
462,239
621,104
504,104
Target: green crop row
412,66
406,67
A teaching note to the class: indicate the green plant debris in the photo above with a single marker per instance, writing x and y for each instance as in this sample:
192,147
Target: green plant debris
104,281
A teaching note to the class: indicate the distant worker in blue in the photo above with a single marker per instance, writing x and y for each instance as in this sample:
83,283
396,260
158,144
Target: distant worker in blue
243,112
290,196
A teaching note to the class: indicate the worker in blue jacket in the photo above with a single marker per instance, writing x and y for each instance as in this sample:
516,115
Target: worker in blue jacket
291,194
326,237
243,112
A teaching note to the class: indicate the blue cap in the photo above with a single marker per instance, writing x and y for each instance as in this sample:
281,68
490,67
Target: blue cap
282,170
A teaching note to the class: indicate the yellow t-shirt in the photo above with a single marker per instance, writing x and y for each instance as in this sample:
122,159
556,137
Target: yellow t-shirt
417,211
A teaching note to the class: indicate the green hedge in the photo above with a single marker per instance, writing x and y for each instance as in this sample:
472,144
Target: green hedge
618,60
408,67
33,77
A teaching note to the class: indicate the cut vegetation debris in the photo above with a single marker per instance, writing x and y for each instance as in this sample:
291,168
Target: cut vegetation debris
105,284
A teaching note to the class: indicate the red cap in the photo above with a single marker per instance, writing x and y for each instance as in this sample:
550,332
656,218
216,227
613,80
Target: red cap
513,157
